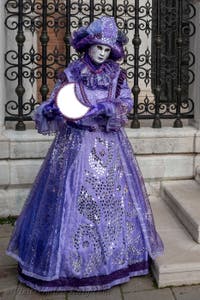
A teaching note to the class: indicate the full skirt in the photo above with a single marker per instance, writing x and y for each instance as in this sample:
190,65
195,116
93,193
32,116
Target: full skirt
87,223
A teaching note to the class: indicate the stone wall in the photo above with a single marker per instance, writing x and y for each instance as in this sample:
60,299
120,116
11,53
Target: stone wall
162,154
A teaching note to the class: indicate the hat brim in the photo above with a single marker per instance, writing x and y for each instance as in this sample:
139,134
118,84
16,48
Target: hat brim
117,51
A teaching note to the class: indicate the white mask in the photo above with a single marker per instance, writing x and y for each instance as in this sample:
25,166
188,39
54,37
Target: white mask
99,53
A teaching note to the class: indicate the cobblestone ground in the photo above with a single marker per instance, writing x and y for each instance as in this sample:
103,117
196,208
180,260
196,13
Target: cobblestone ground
139,288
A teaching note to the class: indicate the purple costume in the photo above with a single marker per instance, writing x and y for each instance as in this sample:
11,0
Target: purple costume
87,224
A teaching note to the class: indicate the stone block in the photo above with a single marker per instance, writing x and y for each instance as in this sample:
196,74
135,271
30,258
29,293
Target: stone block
197,142
137,284
163,215
162,145
197,161
4,147
12,200
197,175
27,135
4,210
165,140
111,294
155,167
153,188
183,198
5,230
8,281
28,144
8,294
164,294
187,292
4,173
197,168
5,260
24,171
180,263
29,149
24,292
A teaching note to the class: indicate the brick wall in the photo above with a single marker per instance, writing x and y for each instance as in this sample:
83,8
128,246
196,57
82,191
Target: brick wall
55,48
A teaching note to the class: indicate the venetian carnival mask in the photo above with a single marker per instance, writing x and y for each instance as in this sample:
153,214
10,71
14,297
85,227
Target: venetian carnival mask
99,53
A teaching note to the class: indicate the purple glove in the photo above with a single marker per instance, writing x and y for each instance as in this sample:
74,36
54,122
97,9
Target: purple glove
103,108
113,124
50,112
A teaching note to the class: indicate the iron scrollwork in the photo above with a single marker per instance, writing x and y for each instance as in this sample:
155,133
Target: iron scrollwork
158,59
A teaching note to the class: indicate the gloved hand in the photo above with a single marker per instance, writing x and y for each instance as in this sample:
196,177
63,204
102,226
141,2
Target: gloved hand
103,108
50,112
113,124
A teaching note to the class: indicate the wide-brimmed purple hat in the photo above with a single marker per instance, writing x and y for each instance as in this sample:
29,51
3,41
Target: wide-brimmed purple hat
101,31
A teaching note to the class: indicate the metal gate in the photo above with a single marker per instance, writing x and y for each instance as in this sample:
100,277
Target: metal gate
158,58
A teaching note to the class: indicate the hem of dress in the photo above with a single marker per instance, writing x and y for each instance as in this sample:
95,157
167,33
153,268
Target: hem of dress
31,274
87,288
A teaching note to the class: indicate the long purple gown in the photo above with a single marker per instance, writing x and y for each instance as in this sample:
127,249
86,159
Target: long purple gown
87,224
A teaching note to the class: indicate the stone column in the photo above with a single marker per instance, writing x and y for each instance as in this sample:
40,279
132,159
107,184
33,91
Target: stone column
194,91
2,64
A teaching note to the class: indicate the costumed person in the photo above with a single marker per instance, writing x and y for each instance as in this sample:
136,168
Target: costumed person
87,224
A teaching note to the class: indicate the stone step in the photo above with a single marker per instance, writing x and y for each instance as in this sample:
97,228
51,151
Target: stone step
197,175
12,200
180,263
183,197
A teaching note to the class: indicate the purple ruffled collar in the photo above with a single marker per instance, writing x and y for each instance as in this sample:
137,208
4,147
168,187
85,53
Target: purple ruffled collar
95,76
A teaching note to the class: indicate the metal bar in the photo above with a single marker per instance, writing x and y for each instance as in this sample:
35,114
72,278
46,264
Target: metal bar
44,41
20,39
91,10
169,82
179,42
157,90
163,117
67,32
115,9
16,118
136,90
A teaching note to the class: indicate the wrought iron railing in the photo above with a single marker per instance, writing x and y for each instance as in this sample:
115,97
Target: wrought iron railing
158,58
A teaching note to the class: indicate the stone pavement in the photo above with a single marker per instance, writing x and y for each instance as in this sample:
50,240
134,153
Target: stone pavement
138,288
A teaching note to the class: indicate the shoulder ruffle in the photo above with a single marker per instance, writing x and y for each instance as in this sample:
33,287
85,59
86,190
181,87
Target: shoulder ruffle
100,78
47,118
44,125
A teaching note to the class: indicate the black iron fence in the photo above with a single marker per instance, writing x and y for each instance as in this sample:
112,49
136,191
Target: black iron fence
158,57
